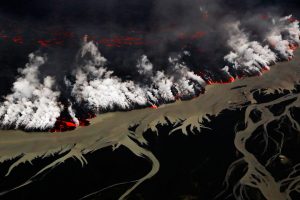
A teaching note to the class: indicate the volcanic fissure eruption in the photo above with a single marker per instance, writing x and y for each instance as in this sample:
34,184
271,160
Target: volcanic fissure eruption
35,102
123,68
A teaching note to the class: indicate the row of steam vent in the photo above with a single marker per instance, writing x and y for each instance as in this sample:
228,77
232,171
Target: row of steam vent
36,105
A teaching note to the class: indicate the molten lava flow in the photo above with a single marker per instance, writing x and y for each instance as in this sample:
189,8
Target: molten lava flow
177,96
18,40
43,43
230,80
293,47
70,124
264,17
154,106
265,68
195,36
198,35
121,41
63,124
209,80
292,19
2,36
47,43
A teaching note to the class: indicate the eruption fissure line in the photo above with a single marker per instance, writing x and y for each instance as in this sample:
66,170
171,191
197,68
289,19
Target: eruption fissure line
186,49
189,115
35,106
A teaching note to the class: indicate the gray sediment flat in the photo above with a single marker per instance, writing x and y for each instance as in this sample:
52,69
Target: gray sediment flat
111,129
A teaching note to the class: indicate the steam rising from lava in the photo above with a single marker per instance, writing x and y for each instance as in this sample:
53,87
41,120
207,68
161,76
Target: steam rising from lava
95,87
227,45
98,88
252,57
32,104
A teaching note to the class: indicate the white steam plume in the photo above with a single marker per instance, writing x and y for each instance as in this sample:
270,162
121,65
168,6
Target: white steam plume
32,104
100,90
73,115
284,37
178,80
251,57
248,56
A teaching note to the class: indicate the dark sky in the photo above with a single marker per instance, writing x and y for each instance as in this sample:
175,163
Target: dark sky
120,12
160,24
79,11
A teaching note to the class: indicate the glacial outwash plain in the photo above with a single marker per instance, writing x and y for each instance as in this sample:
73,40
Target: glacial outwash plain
127,129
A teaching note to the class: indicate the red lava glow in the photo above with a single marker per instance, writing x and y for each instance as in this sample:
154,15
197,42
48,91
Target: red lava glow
58,38
264,16
197,35
205,15
5,37
47,43
43,43
293,47
292,19
18,40
63,124
177,97
265,69
154,106
121,41
230,80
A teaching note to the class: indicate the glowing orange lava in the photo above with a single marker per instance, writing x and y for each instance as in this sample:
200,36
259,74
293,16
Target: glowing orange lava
63,124
154,106
18,40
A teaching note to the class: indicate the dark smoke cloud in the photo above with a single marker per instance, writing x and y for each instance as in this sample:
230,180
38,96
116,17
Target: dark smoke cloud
182,45
161,24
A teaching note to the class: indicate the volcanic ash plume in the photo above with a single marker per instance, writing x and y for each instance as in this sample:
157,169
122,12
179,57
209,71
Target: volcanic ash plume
32,104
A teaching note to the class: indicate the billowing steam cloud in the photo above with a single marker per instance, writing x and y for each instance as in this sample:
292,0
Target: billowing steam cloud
284,38
31,105
247,56
95,86
251,57
99,89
